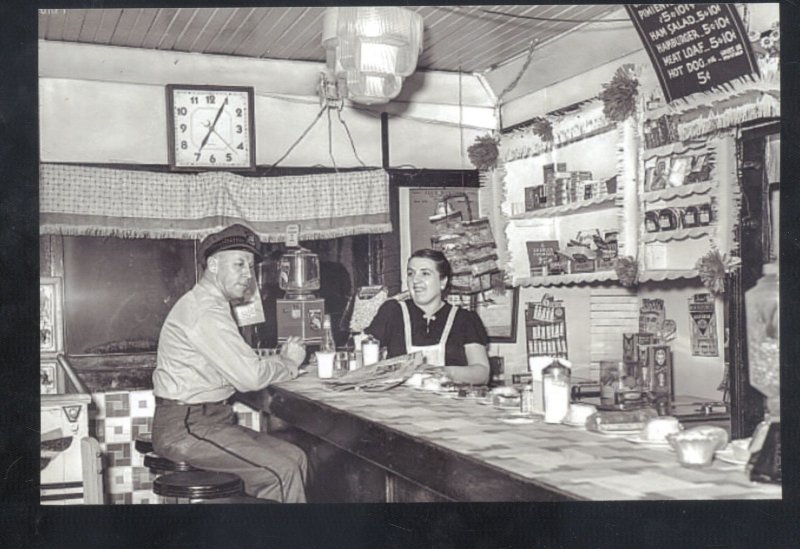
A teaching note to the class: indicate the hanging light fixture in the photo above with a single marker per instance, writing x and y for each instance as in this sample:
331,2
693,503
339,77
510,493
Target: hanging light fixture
371,49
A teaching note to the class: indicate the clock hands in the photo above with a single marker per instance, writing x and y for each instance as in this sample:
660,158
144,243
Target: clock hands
214,123
208,124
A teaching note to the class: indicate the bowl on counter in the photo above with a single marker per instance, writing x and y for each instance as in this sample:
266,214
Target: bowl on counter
505,397
578,413
696,447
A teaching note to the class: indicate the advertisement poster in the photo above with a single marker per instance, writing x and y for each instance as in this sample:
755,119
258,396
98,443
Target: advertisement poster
703,325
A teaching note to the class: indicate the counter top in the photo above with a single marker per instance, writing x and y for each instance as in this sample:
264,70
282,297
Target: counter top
464,451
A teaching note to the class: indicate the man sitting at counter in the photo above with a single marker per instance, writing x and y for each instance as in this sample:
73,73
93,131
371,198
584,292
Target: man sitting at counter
203,359
448,336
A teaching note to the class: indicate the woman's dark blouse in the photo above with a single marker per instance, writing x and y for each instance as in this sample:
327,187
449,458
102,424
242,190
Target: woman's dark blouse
387,327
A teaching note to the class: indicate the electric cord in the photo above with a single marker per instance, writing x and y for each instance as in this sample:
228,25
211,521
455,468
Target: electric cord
349,136
525,65
330,142
308,129
459,10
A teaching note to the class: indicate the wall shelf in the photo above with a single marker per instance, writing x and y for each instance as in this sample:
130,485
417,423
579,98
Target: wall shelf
677,235
674,148
683,191
567,279
573,207
658,275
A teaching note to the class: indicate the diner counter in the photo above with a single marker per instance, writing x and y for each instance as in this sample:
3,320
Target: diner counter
454,449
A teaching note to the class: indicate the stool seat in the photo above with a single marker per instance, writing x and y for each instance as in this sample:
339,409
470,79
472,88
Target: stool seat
163,465
198,485
144,443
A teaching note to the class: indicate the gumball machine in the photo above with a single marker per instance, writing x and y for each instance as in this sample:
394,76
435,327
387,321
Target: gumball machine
763,349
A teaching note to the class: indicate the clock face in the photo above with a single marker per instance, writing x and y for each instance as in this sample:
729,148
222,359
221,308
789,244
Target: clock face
211,127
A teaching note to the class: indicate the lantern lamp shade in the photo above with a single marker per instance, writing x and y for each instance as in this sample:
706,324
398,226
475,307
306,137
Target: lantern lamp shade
373,48
372,89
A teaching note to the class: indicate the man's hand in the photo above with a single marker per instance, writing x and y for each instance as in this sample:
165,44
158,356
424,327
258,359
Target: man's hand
294,350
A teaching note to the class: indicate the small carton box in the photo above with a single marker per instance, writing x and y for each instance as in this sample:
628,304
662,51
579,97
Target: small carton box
583,266
659,370
535,198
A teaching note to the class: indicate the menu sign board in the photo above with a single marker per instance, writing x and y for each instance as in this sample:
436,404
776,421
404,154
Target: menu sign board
693,47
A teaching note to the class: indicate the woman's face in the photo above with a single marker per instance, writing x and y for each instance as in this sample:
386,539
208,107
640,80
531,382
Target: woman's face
423,280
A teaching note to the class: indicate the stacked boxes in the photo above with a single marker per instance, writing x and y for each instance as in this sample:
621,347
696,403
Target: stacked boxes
561,187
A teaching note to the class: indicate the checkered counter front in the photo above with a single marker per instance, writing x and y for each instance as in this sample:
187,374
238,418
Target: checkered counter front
115,420
572,460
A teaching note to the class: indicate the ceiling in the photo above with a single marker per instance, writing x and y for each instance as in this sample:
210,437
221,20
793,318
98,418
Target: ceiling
472,39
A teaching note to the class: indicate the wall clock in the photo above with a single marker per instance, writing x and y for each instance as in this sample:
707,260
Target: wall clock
210,127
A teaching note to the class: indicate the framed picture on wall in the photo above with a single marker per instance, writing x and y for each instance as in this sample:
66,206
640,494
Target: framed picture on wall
48,377
498,310
51,315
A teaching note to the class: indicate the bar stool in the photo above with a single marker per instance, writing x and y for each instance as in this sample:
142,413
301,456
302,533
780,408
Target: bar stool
195,486
158,464
177,478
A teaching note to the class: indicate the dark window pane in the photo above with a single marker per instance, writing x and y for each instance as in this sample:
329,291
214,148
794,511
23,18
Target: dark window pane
119,290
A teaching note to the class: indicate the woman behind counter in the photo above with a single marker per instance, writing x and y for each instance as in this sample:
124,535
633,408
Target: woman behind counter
448,336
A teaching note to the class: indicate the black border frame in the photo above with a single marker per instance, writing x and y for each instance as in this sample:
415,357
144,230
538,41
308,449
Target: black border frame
514,318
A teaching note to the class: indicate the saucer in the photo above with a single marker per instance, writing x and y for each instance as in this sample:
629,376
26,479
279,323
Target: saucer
571,424
637,439
517,420
617,434
727,456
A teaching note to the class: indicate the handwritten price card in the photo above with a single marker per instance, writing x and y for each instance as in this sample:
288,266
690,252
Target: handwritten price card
693,47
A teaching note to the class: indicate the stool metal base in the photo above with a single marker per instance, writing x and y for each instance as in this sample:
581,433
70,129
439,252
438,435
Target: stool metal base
198,485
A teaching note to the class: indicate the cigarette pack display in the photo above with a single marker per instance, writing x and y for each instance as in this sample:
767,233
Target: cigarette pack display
545,328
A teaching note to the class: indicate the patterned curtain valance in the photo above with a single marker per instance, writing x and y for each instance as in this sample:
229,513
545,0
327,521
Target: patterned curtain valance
80,200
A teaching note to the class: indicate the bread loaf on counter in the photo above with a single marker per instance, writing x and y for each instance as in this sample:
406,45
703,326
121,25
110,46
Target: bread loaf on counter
620,420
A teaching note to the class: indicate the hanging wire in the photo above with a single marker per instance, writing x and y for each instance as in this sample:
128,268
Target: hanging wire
460,11
373,112
460,125
330,142
349,136
308,129
522,71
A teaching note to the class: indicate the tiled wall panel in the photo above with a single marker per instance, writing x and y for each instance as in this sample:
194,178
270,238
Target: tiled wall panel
115,420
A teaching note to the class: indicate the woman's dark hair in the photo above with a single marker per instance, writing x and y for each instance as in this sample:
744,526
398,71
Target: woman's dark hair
442,265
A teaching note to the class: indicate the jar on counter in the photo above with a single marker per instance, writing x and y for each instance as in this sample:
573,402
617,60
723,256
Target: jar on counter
556,389
667,219
704,215
651,222
690,217
762,303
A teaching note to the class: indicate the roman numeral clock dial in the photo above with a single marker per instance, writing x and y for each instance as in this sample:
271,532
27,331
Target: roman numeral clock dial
210,127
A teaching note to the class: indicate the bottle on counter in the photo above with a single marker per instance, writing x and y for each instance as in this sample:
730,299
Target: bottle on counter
556,388
327,350
526,399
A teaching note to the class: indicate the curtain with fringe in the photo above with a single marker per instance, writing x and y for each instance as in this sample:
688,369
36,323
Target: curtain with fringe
81,200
